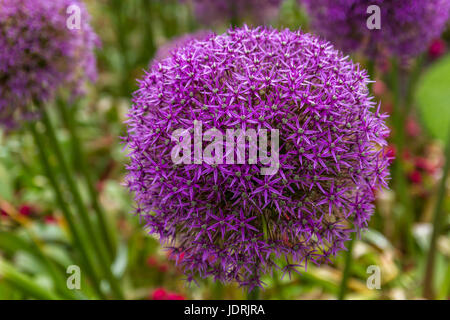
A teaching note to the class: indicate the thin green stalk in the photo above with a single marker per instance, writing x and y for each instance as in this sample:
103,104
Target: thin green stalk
191,21
412,83
346,272
98,244
78,237
169,22
234,21
148,16
371,73
218,289
428,290
397,110
119,8
24,283
108,238
255,294
277,287
399,176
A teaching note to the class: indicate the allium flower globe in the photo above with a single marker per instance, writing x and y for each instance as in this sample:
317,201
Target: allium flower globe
258,11
407,26
39,53
229,221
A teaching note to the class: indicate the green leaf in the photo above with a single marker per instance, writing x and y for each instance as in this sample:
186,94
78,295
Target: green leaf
11,243
377,239
30,258
433,98
120,264
24,283
29,263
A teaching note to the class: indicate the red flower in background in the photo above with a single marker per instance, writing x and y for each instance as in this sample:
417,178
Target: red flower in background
437,48
159,294
413,128
162,294
425,165
379,87
391,151
415,177
152,261
50,219
26,210
175,255
163,268
175,296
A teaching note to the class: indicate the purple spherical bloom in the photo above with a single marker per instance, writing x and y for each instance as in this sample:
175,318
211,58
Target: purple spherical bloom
406,26
39,53
228,220
166,49
213,11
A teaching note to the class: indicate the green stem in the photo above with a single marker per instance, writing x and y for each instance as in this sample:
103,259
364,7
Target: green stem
119,8
255,294
399,177
413,79
98,245
428,291
347,269
148,16
397,112
101,217
169,22
78,237
218,288
371,73
234,21
191,21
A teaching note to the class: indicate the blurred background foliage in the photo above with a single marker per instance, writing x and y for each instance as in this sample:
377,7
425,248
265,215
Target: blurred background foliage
35,246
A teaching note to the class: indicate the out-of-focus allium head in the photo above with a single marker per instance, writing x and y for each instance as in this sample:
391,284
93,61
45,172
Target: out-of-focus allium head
227,220
39,53
211,12
165,50
407,26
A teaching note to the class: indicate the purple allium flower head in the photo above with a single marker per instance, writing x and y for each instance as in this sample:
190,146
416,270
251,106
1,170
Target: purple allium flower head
165,50
407,26
212,11
227,220
39,53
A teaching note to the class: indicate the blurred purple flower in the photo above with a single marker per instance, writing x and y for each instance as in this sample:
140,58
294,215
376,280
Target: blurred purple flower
39,54
407,26
211,12
227,220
